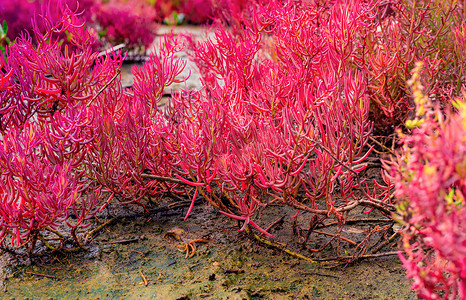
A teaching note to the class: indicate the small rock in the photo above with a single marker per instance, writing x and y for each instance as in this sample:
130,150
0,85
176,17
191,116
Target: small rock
216,264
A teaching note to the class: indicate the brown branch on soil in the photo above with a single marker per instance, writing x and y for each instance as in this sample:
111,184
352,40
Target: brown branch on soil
91,234
8,250
345,259
190,246
336,236
382,145
312,225
233,271
275,223
361,248
62,249
43,275
352,221
384,243
182,204
322,247
345,208
47,244
375,203
279,246
162,178
128,241
143,278
56,232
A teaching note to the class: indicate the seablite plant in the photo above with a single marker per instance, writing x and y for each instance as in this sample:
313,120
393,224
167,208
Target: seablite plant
283,119
429,175
283,113
47,126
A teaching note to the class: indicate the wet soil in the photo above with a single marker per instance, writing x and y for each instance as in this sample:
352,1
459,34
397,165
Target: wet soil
143,258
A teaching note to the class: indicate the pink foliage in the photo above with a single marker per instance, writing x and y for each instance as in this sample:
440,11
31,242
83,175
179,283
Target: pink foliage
280,112
283,117
130,22
35,194
430,185
197,11
19,14
47,126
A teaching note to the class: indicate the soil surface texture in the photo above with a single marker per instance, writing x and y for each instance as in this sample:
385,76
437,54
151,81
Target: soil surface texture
150,257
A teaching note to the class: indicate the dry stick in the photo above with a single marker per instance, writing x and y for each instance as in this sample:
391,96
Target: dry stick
363,245
162,178
104,87
384,243
50,247
280,247
365,256
382,145
193,247
322,247
348,207
56,232
184,203
8,250
312,225
43,275
335,235
275,223
67,250
233,271
355,221
97,229
143,278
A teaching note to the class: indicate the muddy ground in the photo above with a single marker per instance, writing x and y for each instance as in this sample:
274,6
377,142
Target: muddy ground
141,258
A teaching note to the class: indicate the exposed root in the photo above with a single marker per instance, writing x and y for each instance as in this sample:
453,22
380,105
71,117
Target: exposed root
348,260
279,246
91,234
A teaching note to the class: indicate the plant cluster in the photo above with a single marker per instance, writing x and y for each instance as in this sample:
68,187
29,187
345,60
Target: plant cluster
275,121
283,114
115,22
430,185
46,125
130,22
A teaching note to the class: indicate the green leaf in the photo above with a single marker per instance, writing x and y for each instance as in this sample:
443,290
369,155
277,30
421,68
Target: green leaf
4,27
3,30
